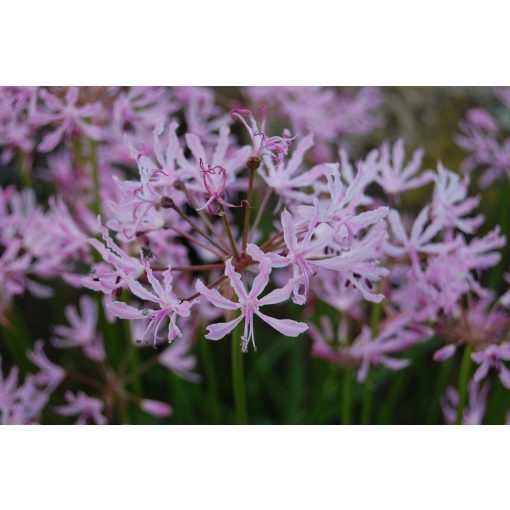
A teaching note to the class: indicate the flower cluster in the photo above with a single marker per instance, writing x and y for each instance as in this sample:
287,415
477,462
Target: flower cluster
191,220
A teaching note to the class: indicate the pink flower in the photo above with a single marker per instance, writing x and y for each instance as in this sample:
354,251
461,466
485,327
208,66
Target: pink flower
178,359
505,299
450,204
393,176
249,305
492,357
86,408
116,269
50,375
397,334
215,180
82,332
169,305
287,177
274,146
156,408
70,117
420,238
474,412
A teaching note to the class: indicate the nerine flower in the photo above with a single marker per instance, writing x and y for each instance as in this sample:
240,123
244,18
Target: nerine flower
82,331
474,412
492,357
395,177
249,304
178,359
215,180
87,409
70,117
274,146
420,239
287,177
397,334
170,306
450,204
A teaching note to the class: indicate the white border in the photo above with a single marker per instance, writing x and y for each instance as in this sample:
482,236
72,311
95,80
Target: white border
253,467
266,42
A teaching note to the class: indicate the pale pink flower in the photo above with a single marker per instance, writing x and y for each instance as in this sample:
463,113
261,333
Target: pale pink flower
274,146
215,180
82,331
71,118
50,375
87,409
287,178
178,359
249,304
170,306
156,408
420,239
397,334
505,299
475,409
450,204
395,177
492,357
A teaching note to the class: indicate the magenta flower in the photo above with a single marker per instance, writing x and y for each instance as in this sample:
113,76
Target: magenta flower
249,305
71,118
170,306
83,330
87,409
274,146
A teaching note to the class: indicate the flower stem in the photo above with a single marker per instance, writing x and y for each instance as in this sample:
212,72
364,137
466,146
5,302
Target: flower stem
366,409
463,382
25,171
228,231
211,380
247,210
96,205
238,376
346,397
260,212
366,405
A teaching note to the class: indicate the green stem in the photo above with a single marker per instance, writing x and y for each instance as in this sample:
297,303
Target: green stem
496,274
346,397
96,205
238,376
366,408
25,171
463,382
212,381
